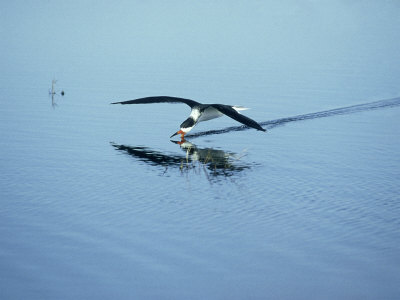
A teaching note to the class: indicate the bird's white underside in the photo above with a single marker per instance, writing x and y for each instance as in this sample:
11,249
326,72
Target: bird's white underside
208,114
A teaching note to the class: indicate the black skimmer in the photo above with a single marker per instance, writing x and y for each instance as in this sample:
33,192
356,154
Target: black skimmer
200,112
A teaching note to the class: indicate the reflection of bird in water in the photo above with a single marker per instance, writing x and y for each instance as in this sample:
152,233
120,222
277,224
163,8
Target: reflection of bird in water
200,112
219,162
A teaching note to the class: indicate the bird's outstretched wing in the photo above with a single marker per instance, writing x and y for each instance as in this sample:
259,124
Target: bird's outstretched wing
230,112
160,99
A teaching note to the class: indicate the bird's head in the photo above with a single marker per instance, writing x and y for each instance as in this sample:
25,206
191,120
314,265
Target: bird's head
182,132
186,126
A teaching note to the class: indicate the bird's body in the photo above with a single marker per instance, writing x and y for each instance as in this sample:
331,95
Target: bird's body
204,112
200,112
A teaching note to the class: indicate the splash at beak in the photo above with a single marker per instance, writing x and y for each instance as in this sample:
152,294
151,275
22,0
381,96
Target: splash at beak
176,133
179,132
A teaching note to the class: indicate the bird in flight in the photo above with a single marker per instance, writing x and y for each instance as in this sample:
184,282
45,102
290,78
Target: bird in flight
200,112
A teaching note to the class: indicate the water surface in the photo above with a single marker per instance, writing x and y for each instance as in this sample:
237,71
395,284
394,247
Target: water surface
98,203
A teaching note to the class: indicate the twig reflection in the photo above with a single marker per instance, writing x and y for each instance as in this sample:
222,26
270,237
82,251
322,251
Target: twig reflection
53,92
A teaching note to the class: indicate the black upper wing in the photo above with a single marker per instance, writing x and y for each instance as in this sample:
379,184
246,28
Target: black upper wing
160,99
230,112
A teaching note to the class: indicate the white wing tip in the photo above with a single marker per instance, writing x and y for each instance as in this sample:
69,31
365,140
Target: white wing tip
239,108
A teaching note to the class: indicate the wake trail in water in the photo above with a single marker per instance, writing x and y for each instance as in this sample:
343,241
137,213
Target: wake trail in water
321,114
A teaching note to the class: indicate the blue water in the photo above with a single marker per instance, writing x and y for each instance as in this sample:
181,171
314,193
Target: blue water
98,203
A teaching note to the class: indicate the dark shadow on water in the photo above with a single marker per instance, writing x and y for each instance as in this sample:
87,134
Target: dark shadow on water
196,160
316,115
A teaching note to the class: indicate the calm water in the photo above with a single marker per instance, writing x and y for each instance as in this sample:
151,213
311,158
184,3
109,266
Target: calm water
98,203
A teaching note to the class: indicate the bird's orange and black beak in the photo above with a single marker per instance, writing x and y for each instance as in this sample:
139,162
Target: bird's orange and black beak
179,132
